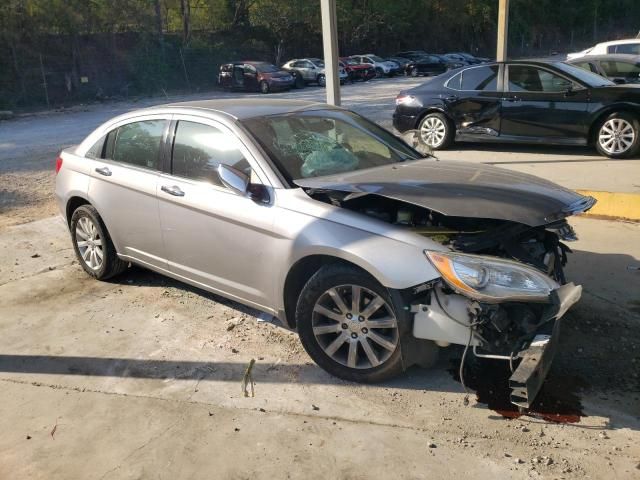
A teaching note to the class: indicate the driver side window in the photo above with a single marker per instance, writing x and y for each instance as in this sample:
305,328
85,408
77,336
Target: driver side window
198,149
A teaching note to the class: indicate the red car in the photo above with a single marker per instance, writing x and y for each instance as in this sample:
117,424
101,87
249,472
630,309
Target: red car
251,76
357,71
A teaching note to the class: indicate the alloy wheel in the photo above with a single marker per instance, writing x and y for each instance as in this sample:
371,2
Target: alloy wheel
433,131
89,243
355,326
616,136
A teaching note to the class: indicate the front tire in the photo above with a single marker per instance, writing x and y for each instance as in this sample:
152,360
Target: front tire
436,131
264,87
322,80
348,324
618,135
93,246
414,72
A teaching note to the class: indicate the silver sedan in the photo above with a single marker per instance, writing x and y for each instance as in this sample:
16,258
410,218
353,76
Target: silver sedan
377,255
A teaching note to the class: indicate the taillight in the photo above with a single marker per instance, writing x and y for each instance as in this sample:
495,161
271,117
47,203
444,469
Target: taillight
58,164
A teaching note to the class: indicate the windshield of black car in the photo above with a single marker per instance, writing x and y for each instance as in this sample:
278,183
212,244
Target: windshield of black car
267,68
325,142
590,78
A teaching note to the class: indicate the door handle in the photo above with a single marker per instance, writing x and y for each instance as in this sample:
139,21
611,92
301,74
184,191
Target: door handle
104,171
451,98
511,99
172,190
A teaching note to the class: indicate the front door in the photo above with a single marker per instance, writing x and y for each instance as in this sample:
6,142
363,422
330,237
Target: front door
125,173
213,236
474,101
542,104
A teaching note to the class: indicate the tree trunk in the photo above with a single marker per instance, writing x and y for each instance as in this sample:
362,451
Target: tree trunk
185,9
158,9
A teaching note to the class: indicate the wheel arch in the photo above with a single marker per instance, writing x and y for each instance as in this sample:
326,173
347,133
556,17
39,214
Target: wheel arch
605,112
433,109
298,275
72,205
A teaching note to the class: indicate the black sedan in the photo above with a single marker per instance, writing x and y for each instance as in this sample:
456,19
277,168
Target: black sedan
523,102
426,65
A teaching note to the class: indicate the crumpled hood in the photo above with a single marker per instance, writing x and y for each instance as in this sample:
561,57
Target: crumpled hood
461,189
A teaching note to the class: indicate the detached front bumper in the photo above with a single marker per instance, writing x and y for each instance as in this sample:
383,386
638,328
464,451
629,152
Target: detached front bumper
526,381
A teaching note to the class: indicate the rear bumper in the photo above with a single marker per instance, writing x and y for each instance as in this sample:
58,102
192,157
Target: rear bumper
526,381
402,123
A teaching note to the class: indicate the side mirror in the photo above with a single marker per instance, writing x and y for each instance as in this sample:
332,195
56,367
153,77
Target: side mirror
619,81
233,179
239,183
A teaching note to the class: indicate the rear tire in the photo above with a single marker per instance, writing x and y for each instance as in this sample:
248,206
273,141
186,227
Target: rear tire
436,131
618,135
299,81
346,341
93,246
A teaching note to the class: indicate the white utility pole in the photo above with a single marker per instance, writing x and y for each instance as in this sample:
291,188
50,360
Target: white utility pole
503,30
330,45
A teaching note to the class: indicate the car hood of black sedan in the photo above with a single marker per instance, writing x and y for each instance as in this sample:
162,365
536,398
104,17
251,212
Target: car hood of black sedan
461,189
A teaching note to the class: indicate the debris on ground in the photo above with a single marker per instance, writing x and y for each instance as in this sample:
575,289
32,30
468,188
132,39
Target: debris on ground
248,379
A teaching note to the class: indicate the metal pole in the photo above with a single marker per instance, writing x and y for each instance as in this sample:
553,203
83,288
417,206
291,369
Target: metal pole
503,30
330,45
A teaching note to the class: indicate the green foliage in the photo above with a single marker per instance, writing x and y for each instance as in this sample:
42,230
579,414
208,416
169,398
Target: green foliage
148,44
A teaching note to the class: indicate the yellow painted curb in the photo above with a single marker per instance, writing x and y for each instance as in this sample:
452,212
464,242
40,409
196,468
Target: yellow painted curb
614,204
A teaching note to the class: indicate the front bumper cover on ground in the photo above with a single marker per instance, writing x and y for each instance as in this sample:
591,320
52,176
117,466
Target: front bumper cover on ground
526,381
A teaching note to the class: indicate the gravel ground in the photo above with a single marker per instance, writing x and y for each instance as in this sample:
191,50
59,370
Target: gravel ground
140,377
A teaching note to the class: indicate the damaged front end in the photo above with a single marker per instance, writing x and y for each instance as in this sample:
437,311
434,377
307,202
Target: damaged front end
502,288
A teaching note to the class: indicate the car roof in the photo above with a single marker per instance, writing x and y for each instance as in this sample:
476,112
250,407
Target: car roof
630,57
243,108
619,42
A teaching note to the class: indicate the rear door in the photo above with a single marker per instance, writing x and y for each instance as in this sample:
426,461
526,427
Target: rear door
474,100
540,104
124,178
213,236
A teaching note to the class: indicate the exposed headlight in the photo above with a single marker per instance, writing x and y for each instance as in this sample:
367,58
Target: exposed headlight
408,100
490,279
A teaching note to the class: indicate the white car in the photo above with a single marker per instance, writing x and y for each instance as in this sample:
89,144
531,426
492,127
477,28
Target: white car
382,66
631,46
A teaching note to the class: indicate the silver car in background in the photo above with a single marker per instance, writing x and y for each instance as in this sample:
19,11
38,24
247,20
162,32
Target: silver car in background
377,255
311,70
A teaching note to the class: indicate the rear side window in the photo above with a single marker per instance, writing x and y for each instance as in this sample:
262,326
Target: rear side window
586,66
633,48
198,150
137,143
96,150
480,79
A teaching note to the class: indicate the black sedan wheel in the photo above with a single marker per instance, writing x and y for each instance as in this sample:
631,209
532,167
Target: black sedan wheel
619,136
348,325
414,72
436,131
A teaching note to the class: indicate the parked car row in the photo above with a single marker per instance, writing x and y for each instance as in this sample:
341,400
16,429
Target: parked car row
297,73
